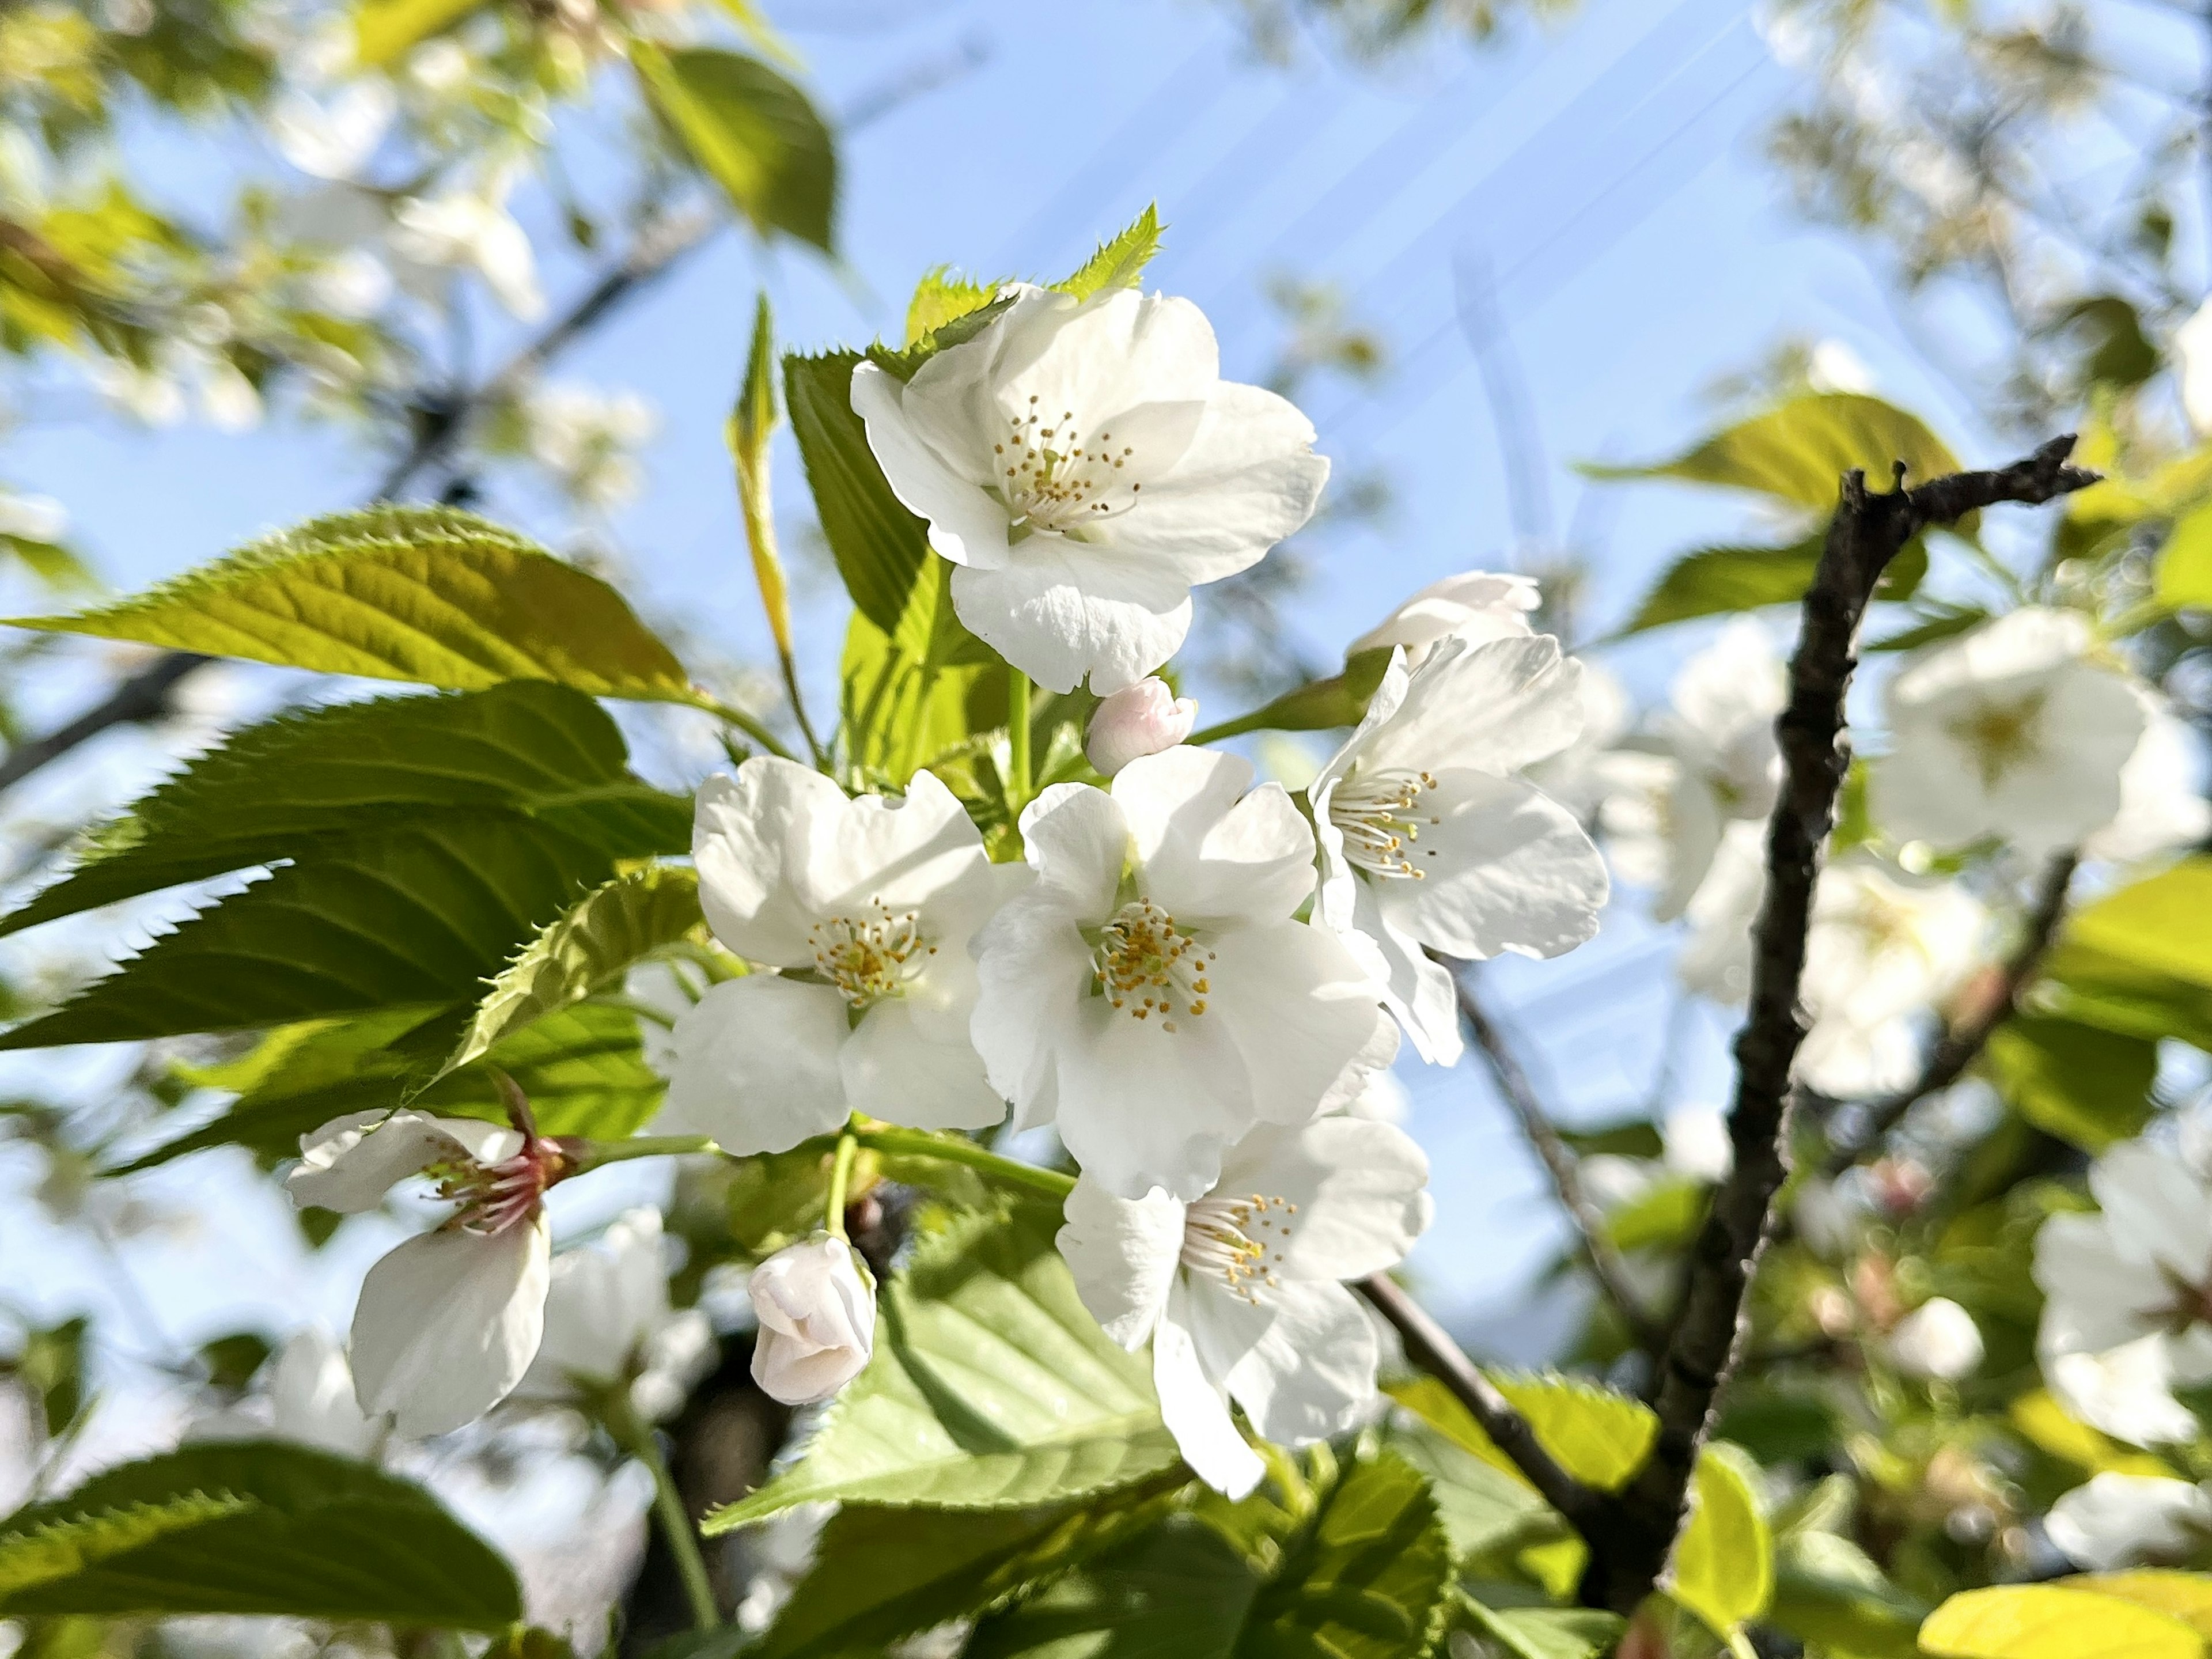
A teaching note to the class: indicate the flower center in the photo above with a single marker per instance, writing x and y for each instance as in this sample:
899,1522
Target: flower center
1144,963
494,1197
870,958
1235,1240
1378,815
1051,479
2001,734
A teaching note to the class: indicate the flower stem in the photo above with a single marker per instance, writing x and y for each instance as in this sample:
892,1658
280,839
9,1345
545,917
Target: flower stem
952,1149
1017,741
841,1179
638,1438
744,723
597,1152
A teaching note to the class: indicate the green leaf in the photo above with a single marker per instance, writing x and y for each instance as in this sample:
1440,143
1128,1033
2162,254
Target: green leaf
1723,1569
750,429
2046,1424
2184,581
754,133
303,785
1598,1437
991,1387
1666,1214
1827,1593
920,691
385,31
1550,1633
430,594
1798,451
882,1574
1368,1577
287,1531
880,547
1339,700
2113,993
2053,1621
1715,580
2087,1086
43,1552
2185,1595
1483,1508
940,298
1120,262
2155,924
583,1069
587,952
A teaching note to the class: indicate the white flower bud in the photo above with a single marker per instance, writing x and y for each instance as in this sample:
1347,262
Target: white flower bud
818,1321
1938,1338
1140,719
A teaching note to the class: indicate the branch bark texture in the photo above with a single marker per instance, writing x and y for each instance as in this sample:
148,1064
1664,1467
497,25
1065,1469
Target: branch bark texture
1632,1536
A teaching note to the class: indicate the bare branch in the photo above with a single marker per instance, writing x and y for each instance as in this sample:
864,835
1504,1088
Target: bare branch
1606,1263
1429,1346
1630,1544
1961,1045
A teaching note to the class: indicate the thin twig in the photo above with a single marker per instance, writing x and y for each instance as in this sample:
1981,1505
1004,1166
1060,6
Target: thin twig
1961,1045
1633,1537
1429,1346
1607,1265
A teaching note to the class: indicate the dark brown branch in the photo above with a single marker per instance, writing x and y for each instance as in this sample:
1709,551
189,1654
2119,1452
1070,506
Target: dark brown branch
1962,1044
1633,1537
1605,1260
1429,1346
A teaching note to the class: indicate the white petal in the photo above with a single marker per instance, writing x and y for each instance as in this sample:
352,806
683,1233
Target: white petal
447,1323
1310,1372
2095,1297
891,1071
893,852
1077,842
1034,978
1417,989
2117,1521
1475,604
1196,1411
1495,707
2155,1209
350,1162
1210,852
818,1321
1059,610
2127,1392
1506,869
1141,1106
965,525
756,1065
751,839
1360,1188
311,1397
1297,1007
1123,1253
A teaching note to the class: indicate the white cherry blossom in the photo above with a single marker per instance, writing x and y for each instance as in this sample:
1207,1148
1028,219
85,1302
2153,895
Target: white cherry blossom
448,1321
2012,731
309,1400
867,905
2192,353
1137,720
817,1320
2113,1521
608,1321
2127,1311
468,227
1085,465
1474,606
1938,1340
1710,761
2162,797
1151,993
1429,839
1242,1291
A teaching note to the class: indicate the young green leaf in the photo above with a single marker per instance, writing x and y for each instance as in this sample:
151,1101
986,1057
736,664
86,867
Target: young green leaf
1829,1592
1598,1437
754,132
1120,262
751,425
44,1552
430,594
880,547
1723,1568
1716,579
991,1387
285,1530
940,298
385,31
2088,1087
2053,1621
1549,1633
1339,700
2183,579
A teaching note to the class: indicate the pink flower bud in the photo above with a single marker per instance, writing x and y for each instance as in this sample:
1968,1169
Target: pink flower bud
1138,720
818,1321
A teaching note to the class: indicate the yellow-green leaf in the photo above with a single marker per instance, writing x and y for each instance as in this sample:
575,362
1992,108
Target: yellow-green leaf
385,31
2184,568
2184,1595
2045,1424
940,298
1723,1568
430,594
1600,1437
1120,262
754,133
2053,1621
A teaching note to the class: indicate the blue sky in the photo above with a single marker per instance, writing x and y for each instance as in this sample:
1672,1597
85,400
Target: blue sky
1605,173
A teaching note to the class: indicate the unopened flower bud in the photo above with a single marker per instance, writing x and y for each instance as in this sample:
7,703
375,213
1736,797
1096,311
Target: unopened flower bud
818,1321
1140,719
1939,1339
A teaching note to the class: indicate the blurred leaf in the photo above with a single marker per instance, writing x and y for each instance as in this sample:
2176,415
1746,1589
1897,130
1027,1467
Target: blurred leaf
2184,581
1667,1213
2184,1595
991,1388
2053,1621
44,1552
49,1365
1598,1437
1549,1633
881,1574
588,951
2090,1087
1368,1577
430,594
1339,700
2138,960
2117,353
2115,994
1830,1595
751,426
1483,1510
2045,1424
1723,1566
583,1069
1947,627
286,1531
1120,262
385,31
755,134
1798,451
1634,1137
1715,580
